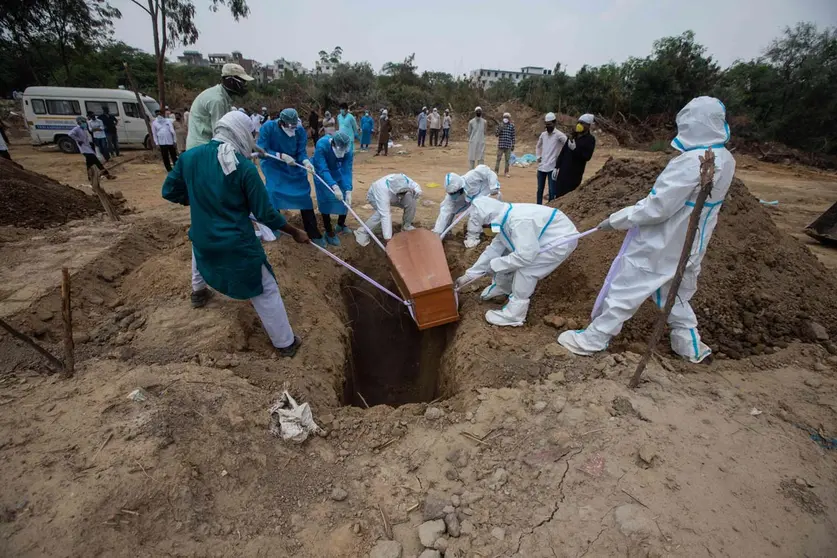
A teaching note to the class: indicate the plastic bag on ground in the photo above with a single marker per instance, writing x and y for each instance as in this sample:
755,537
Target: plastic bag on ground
292,421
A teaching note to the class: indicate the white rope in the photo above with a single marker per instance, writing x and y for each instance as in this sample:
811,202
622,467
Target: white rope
455,221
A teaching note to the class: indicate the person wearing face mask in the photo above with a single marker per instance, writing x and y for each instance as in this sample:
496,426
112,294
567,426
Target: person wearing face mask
393,190
523,252
287,180
461,191
573,158
333,163
81,136
435,126
222,189
476,138
215,102
347,123
100,139
383,133
367,128
549,146
446,122
421,120
329,125
180,131
165,138
258,120
506,135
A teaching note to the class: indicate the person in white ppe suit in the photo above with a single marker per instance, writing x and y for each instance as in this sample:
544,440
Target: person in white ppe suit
527,247
657,228
461,192
393,190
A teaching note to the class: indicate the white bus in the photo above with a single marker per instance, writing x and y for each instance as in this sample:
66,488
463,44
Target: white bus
51,113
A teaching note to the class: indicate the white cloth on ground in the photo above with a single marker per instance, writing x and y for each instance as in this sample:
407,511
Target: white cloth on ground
514,256
234,131
659,223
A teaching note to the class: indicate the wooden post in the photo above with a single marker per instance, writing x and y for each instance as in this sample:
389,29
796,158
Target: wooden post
140,106
67,317
95,182
26,339
707,173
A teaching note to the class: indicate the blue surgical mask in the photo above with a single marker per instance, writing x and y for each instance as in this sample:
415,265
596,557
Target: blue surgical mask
83,125
343,112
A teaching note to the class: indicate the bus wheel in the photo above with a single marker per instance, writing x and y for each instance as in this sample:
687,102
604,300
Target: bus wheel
66,144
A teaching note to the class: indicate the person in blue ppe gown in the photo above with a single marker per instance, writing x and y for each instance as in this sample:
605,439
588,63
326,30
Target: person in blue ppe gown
367,128
346,122
287,180
333,163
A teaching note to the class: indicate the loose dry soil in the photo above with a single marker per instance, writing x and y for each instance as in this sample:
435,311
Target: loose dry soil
537,453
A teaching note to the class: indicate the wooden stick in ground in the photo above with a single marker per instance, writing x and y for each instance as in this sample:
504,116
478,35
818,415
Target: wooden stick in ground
26,339
707,173
95,182
67,317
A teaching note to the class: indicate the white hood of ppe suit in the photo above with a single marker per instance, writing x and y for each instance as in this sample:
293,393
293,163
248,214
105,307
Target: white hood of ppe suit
453,183
480,181
700,124
658,225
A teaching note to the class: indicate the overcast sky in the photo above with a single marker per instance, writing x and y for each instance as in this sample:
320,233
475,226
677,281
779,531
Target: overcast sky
457,36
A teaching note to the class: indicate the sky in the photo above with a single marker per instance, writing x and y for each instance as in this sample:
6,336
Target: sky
457,36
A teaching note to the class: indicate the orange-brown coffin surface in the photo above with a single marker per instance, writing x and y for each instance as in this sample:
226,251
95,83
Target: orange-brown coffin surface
421,272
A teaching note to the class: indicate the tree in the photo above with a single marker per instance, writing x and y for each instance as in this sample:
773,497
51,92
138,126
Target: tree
334,57
173,23
41,30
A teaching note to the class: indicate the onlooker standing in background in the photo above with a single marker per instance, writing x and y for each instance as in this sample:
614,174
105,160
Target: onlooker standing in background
97,129
347,122
110,121
329,126
82,138
367,128
549,146
215,102
446,122
314,126
421,120
180,131
384,130
573,158
165,138
435,126
476,138
505,144
257,120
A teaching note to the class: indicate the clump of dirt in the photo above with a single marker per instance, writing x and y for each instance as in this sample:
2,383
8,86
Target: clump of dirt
29,199
759,287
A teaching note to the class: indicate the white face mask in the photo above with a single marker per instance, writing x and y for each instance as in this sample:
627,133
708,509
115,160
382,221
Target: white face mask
290,132
505,121
339,153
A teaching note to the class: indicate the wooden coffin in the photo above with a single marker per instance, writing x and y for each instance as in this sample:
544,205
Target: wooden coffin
420,270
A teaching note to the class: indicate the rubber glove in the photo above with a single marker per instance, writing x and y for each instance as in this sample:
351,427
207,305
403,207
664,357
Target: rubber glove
285,158
571,145
462,281
308,165
337,193
605,225
472,242
555,174
348,197
259,152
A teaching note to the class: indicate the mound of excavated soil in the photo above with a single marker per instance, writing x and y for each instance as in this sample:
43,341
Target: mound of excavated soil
29,199
759,287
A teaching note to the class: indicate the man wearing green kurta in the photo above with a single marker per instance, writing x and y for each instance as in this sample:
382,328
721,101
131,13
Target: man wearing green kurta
223,190
215,102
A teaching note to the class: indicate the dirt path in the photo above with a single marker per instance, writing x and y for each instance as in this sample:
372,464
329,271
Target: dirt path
529,452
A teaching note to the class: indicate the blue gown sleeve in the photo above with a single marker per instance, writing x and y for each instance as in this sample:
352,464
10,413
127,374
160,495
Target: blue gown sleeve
301,143
346,171
256,193
174,188
321,165
265,137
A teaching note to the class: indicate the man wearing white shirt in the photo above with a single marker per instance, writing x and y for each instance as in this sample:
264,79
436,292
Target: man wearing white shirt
549,146
257,120
165,137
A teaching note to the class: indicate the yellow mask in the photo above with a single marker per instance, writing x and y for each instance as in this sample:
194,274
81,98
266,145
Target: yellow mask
579,127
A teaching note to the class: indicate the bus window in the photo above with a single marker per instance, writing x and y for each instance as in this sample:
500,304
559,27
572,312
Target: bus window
96,107
67,108
131,109
38,106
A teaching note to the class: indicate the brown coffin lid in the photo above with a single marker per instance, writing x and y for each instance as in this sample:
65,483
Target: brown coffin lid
418,258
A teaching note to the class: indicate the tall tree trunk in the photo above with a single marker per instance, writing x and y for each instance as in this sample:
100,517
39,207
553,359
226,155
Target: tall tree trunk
154,7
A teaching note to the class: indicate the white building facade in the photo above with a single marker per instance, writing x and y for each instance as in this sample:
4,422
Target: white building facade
486,77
